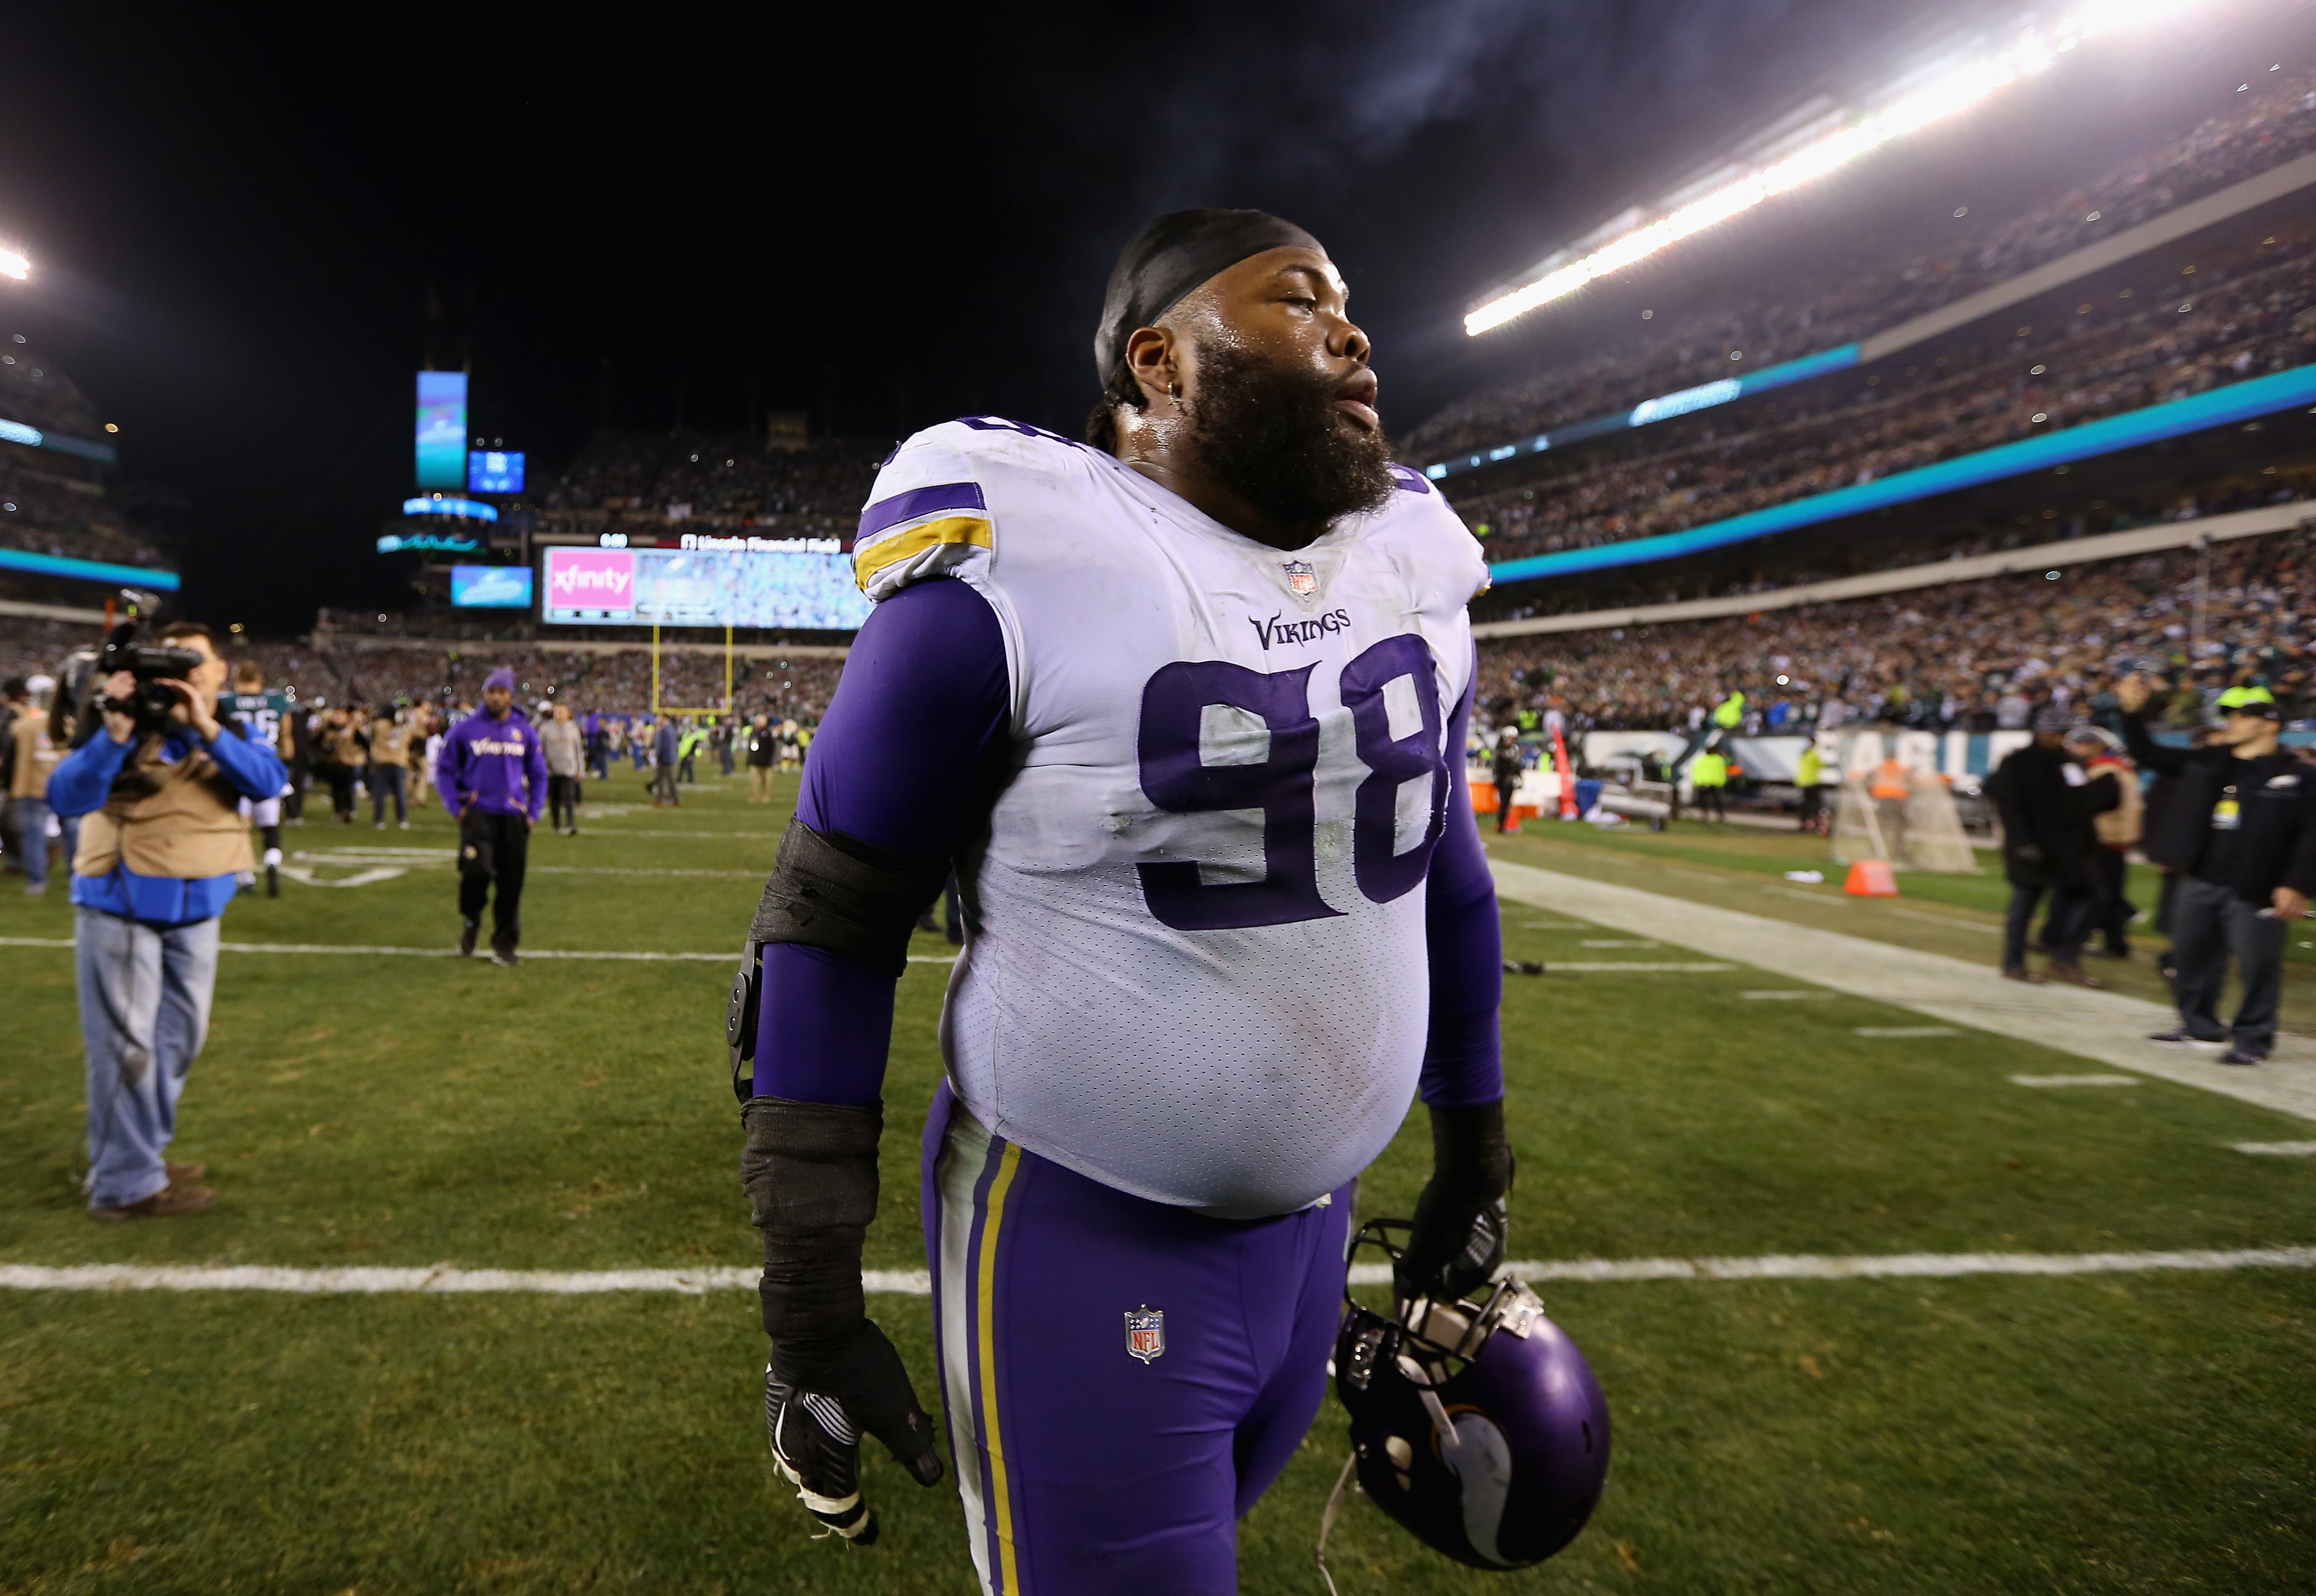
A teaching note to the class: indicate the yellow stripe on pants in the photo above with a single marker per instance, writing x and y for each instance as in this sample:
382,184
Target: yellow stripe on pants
986,1283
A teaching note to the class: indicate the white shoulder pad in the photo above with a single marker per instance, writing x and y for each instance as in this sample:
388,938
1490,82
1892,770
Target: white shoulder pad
932,510
1449,558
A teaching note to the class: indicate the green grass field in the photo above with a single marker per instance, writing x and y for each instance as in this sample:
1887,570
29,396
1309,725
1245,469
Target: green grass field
2127,1432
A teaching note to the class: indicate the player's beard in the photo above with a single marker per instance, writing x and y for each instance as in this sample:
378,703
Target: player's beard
1272,435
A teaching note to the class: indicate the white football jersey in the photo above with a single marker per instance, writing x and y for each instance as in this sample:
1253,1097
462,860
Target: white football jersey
1198,972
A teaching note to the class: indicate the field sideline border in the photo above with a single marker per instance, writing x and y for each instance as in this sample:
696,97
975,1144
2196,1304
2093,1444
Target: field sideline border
444,1280
2103,1027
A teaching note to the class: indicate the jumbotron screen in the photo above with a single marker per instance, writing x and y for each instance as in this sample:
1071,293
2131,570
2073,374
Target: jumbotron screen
741,582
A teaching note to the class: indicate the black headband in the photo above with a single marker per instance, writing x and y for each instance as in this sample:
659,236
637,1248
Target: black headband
1173,255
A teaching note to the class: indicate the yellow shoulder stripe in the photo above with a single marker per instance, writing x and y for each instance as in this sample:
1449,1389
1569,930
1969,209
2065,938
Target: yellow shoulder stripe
973,530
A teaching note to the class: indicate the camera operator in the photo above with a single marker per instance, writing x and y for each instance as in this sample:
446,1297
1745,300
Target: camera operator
2240,832
162,847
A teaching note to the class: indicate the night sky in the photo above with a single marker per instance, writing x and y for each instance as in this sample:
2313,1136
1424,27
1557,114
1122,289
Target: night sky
249,229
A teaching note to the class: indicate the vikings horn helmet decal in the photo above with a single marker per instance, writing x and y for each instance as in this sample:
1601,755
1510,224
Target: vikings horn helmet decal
1476,1423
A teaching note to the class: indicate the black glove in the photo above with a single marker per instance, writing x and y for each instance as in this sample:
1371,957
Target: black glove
815,1422
810,1171
1457,1241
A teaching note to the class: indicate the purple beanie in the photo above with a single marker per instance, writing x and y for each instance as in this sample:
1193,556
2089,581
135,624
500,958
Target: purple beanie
502,677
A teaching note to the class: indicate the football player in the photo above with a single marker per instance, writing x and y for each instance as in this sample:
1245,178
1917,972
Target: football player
265,719
1202,682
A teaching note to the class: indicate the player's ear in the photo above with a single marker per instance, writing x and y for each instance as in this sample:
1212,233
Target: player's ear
1154,358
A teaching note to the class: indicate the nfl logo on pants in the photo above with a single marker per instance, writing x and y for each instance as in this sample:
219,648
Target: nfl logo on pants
1146,1332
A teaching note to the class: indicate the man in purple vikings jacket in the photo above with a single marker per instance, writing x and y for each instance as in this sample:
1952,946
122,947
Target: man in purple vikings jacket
492,773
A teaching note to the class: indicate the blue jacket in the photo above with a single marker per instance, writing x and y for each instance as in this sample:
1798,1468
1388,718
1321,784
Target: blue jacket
496,766
664,743
83,780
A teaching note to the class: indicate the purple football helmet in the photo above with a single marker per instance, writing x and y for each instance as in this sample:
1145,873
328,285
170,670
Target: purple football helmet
1476,1423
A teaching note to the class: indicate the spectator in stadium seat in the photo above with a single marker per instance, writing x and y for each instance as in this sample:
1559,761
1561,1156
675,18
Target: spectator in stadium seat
2047,804
2240,830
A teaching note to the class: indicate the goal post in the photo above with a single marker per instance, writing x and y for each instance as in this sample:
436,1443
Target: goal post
1897,807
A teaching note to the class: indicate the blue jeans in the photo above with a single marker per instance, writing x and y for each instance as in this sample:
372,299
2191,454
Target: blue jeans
33,826
144,1013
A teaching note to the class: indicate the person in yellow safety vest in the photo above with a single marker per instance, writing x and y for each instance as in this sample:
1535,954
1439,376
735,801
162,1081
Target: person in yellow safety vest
1730,712
1810,777
1708,774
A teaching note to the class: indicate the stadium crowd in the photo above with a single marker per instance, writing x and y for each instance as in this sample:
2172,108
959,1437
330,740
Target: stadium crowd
2275,123
2239,322
1974,656
718,477
53,501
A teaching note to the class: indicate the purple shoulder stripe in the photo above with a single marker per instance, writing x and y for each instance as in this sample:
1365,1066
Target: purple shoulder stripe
919,501
1410,482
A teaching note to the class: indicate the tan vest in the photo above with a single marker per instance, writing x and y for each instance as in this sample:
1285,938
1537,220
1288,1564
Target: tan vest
187,828
2121,826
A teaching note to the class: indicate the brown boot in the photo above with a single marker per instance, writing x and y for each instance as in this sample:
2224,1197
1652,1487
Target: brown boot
2074,974
185,1174
2020,972
170,1202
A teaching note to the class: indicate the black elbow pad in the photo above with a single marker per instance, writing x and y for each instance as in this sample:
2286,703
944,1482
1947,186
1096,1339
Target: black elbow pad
828,891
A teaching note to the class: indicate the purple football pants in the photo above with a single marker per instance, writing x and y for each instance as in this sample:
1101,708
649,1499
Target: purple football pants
1094,1460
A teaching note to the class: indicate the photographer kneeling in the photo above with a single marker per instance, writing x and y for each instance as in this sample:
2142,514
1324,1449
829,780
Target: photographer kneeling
161,851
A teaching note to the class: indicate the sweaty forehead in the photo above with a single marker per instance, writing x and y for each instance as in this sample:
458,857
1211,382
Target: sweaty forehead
1258,276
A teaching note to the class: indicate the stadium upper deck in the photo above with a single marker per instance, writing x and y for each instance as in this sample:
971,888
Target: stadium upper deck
2187,316
56,511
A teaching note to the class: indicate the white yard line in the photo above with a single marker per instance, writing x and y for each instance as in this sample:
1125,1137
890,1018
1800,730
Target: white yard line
1895,1032
443,1280
1613,942
2103,1027
440,953
2075,1080
2278,1149
1789,992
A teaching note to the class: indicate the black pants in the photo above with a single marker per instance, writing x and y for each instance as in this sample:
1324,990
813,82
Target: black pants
2063,930
501,846
341,779
1709,801
385,779
293,802
563,801
1812,805
2208,923
2111,916
1505,790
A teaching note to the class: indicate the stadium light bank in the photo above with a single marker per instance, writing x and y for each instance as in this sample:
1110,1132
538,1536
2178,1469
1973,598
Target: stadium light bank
1947,95
14,264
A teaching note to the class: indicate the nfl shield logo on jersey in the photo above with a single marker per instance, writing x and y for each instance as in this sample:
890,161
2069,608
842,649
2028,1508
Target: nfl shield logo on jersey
1302,578
1146,1332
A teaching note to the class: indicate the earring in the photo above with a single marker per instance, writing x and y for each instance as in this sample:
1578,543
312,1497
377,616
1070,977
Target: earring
1174,391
